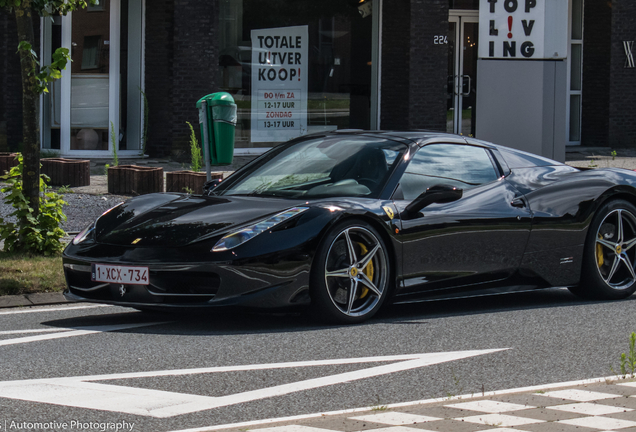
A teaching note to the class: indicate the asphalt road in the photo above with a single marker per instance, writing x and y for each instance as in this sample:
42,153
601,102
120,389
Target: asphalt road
544,337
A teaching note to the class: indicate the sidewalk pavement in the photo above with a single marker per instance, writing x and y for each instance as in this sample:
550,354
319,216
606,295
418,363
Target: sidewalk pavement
601,157
37,299
603,404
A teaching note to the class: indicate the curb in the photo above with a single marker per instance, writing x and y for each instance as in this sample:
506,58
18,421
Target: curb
37,299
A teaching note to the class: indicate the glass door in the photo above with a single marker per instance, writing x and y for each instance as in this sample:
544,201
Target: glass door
97,105
90,76
463,31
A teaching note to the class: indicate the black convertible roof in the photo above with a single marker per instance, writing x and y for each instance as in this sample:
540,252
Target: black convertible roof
513,157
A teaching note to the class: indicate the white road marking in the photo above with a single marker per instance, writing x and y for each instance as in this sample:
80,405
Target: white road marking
45,330
65,333
83,392
286,365
35,309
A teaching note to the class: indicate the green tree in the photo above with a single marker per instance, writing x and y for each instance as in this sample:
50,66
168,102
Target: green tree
35,79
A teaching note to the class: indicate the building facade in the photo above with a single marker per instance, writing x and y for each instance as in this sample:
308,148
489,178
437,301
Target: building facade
538,75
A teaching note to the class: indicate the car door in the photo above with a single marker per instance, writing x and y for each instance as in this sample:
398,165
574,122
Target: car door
478,238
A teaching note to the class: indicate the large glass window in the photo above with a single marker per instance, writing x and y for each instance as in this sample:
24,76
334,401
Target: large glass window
296,67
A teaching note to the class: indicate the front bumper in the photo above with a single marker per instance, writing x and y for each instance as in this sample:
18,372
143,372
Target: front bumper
199,285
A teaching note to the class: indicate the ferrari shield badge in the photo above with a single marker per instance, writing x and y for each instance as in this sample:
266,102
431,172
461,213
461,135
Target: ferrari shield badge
389,212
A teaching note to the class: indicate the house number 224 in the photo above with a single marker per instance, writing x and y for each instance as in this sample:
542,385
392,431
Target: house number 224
440,40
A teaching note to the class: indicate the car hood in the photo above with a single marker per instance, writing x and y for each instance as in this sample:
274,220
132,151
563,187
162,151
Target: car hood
173,220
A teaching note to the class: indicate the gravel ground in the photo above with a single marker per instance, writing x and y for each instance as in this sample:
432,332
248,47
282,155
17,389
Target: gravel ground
81,210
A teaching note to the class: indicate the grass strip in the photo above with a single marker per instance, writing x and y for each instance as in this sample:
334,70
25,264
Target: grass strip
27,274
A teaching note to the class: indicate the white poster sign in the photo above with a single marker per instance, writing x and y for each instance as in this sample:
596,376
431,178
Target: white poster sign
523,29
280,57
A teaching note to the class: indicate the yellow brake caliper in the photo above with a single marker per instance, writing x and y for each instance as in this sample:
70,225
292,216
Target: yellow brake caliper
368,270
599,252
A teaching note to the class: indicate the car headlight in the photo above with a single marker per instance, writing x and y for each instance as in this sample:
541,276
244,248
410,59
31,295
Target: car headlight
237,238
83,234
86,232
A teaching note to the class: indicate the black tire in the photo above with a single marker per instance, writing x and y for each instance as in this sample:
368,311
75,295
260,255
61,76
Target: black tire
610,254
351,274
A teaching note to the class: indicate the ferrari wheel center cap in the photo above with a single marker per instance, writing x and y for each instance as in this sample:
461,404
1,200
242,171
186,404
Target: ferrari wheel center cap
353,272
619,249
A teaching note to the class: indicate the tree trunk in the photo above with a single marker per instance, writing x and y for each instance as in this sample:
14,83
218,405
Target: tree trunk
30,123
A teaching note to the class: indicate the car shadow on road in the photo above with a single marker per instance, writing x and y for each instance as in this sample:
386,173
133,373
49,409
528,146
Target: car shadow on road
210,322
487,304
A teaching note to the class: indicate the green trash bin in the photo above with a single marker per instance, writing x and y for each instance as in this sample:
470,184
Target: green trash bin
220,116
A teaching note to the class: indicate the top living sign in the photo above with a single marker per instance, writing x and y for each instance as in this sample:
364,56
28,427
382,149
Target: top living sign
523,29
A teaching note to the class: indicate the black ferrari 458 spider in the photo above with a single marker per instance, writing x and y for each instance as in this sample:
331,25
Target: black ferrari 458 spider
345,222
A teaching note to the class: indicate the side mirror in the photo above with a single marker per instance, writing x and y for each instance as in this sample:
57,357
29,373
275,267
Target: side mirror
435,194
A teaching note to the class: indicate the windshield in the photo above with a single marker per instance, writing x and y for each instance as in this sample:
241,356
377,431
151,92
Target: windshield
355,166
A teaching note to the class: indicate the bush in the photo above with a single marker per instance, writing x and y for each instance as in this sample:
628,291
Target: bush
39,234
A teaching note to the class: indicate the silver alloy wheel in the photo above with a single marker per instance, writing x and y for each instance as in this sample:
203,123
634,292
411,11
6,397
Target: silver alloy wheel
614,252
356,271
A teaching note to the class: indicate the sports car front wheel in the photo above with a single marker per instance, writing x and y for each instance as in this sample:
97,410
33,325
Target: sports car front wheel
610,253
350,274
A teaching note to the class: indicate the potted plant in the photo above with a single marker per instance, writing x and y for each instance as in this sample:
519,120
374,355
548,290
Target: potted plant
191,181
67,172
132,179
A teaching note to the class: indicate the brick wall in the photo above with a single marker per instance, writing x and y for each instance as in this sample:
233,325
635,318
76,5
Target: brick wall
195,65
158,77
622,116
10,85
395,64
3,84
596,73
428,67
414,70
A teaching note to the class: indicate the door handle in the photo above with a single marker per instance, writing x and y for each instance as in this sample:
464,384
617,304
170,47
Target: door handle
470,84
518,202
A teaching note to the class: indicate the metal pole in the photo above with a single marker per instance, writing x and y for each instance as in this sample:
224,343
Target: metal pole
203,117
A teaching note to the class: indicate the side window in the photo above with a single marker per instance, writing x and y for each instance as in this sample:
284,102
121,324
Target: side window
463,166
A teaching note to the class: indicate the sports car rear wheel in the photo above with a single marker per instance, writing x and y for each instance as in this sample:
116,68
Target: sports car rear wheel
351,274
610,253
